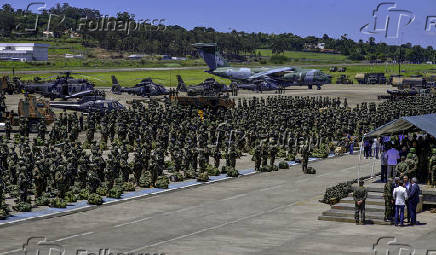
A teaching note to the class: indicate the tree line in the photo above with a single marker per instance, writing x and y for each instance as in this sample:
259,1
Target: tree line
177,41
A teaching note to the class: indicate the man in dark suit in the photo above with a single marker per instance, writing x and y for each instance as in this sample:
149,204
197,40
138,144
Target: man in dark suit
413,200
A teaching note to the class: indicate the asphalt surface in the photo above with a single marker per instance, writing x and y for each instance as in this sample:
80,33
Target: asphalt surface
267,213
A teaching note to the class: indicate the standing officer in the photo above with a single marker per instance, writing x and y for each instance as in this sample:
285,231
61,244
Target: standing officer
360,194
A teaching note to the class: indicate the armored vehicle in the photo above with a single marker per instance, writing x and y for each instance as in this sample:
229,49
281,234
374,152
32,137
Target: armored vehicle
343,79
370,78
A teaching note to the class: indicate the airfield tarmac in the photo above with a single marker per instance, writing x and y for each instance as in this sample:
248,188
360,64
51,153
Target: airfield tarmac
266,213
354,93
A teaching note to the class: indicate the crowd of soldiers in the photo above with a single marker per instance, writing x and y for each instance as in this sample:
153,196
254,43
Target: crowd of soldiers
154,140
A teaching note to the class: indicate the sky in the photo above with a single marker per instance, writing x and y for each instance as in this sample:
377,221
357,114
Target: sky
300,17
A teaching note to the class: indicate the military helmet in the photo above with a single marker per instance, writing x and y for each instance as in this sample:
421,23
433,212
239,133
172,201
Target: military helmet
410,155
433,151
412,150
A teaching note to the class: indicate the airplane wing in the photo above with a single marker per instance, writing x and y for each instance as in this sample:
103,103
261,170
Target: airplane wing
271,71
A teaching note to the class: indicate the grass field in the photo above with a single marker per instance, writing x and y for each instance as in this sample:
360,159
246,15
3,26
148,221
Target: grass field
302,56
166,78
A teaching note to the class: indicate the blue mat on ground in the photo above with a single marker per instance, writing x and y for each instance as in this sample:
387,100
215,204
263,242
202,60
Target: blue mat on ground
84,203
247,171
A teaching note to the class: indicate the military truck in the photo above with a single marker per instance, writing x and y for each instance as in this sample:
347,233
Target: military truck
201,102
408,82
370,78
343,79
33,109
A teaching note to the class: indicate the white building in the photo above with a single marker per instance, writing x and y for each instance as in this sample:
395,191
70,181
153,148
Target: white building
320,46
24,51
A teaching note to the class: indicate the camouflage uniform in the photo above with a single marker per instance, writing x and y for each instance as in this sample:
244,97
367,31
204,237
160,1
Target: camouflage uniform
257,157
432,168
360,194
402,168
388,196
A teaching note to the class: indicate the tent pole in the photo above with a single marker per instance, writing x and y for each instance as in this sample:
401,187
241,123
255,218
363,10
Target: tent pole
360,156
372,168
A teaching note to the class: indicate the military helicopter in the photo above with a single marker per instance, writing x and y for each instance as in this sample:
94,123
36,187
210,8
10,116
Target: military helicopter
146,88
208,87
89,104
275,76
63,86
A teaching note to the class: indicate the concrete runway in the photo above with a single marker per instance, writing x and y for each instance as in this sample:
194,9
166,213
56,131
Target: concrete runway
267,213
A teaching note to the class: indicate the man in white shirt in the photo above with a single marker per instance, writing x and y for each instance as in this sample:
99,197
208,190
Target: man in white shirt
400,197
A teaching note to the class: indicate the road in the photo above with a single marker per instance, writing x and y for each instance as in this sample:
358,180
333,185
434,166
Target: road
267,213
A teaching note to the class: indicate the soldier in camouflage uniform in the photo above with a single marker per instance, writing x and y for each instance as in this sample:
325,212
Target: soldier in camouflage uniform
432,168
388,197
216,156
412,163
8,129
359,195
265,150
93,181
231,157
273,153
305,152
257,157
402,167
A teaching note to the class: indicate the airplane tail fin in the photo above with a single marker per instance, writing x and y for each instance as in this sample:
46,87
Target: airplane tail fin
116,88
181,86
210,54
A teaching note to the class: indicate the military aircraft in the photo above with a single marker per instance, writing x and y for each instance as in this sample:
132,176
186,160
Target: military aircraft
89,104
208,87
146,88
63,86
273,76
258,85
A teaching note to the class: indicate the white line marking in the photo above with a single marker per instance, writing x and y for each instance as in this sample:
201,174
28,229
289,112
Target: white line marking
212,228
120,225
184,209
7,252
234,197
132,222
137,221
87,233
66,238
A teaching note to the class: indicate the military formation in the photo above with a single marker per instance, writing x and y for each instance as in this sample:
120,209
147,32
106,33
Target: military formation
151,144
